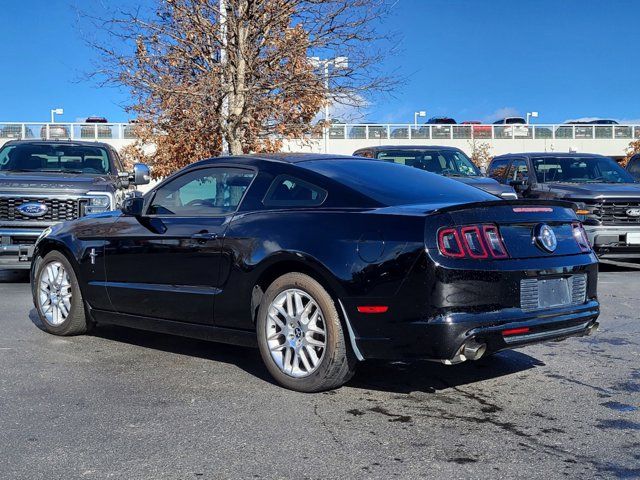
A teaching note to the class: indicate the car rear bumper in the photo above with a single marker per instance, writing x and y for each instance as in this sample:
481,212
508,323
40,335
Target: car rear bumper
16,247
445,337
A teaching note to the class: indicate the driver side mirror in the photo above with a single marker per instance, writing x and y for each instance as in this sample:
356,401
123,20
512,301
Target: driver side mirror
133,206
519,185
140,174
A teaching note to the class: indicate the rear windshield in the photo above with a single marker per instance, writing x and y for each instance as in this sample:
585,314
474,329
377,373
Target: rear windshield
443,162
81,159
393,184
579,170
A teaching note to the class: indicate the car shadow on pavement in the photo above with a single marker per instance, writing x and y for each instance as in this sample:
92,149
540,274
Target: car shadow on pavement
14,276
248,359
429,377
398,377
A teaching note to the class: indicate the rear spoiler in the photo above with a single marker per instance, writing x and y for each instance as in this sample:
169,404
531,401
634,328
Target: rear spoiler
502,203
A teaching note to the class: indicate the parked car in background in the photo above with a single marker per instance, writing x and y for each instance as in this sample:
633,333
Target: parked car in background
592,128
55,131
515,127
441,127
606,197
594,121
44,182
321,261
447,161
633,167
94,129
15,132
479,130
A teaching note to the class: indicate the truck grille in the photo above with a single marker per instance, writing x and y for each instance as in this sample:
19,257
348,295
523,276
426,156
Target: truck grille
58,209
615,212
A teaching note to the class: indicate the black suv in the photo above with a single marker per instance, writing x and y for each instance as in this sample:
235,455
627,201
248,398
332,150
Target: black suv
606,197
46,182
446,161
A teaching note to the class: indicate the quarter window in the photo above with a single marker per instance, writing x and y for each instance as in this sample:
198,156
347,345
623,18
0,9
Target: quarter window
208,191
286,191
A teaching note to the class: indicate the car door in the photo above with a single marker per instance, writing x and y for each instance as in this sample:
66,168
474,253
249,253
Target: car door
166,263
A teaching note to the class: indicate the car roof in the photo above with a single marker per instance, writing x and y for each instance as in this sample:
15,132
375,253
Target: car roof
408,147
549,155
278,158
59,142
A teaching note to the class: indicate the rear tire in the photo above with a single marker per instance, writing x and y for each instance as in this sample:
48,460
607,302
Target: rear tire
57,296
298,316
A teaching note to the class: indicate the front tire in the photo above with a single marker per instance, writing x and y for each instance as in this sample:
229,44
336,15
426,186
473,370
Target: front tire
57,296
300,336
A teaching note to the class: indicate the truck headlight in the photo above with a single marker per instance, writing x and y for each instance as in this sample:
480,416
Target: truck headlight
97,204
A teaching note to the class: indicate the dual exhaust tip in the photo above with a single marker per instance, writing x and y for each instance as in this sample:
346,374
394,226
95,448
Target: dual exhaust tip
473,350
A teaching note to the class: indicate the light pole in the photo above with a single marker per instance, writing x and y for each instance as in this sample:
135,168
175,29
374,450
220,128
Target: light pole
54,112
338,63
531,115
421,113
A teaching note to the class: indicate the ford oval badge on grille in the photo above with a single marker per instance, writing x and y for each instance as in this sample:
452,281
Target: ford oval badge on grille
633,212
32,210
545,237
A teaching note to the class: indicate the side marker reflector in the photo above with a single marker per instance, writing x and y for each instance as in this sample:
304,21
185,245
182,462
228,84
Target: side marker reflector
515,331
373,309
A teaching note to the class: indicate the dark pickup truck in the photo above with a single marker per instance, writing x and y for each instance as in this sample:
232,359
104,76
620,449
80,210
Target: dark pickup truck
606,197
46,182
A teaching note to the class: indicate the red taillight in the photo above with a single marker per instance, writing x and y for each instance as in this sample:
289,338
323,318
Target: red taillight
515,331
472,241
580,237
373,309
449,243
494,241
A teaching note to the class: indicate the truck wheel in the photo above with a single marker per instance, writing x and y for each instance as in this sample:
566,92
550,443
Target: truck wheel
57,296
300,336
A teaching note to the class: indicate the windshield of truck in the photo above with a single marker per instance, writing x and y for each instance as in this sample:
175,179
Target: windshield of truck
579,170
80,159
452,163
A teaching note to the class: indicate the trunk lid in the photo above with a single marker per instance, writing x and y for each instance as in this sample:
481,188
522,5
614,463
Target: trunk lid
518,222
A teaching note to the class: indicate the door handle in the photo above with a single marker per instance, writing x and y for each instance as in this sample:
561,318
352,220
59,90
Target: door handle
203,236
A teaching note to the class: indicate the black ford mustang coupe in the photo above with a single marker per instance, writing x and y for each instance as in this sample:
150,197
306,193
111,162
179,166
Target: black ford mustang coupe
322,261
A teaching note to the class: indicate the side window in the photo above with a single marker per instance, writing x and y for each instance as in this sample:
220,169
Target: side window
117,162
518,170
202,192
364,153
498,169
634,166
286,191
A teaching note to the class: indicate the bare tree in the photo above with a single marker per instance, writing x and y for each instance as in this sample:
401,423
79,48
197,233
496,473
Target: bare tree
200,75
631,150
480,152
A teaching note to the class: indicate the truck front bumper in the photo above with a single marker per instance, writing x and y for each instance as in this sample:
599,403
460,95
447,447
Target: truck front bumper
16,247
620,241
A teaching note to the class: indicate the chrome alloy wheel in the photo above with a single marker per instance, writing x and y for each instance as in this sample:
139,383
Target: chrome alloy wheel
54,294
296,333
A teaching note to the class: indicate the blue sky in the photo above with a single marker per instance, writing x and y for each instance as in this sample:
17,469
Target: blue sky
472,60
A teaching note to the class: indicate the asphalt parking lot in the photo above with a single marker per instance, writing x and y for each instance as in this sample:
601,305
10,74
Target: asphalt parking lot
127,404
